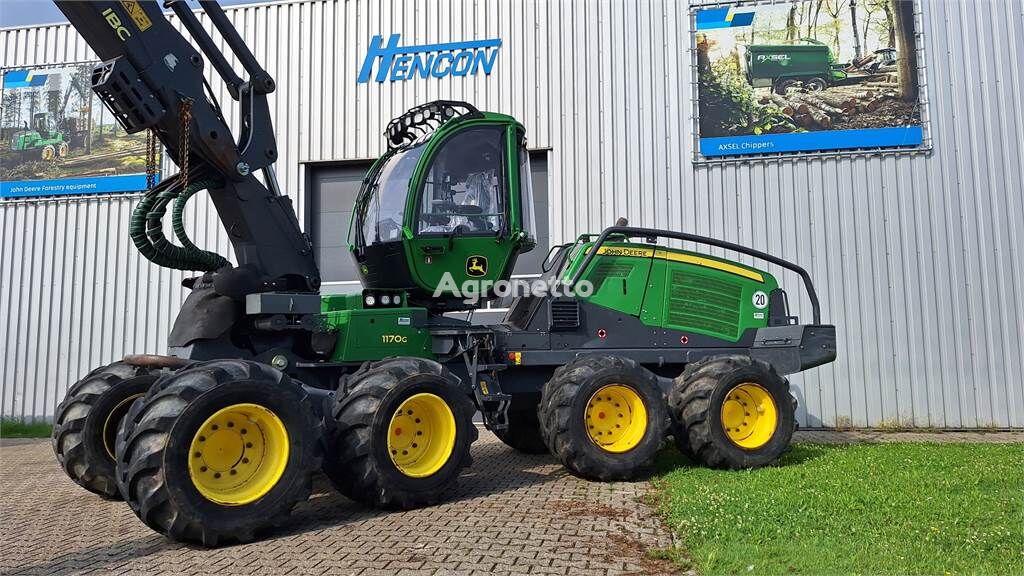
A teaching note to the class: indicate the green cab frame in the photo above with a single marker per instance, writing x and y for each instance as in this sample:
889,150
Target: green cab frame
417,261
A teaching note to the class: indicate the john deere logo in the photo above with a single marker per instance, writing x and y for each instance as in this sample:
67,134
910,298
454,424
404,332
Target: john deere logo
476,266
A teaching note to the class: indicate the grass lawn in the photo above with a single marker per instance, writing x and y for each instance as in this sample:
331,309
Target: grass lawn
859,509
16,429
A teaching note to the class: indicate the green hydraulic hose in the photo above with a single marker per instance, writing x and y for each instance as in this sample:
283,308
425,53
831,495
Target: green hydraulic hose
179,258
137,226
187,257
146,228
216,261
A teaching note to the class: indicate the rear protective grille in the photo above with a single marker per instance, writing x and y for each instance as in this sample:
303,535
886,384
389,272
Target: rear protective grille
565,314
698,302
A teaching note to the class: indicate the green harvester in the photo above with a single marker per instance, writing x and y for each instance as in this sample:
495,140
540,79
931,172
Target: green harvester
623,339
43,141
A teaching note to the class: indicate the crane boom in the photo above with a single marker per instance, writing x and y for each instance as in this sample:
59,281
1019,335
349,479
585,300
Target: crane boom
152,78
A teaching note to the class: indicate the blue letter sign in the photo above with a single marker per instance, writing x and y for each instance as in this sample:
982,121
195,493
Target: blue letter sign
428,60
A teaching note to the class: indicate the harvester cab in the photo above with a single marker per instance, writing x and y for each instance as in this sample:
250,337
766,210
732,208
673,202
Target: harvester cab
449,201
41,124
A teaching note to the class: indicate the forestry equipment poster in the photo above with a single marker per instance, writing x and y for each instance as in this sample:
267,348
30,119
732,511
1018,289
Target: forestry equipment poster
807,76
57,138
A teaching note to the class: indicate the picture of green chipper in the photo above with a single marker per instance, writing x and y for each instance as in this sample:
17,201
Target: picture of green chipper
784,66
625,340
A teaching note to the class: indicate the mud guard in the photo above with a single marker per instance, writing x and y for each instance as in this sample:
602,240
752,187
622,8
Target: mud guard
205,315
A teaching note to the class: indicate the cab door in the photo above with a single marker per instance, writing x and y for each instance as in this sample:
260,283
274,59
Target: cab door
462,219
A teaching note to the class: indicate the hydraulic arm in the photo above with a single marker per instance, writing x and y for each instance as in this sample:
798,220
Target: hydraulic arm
152,78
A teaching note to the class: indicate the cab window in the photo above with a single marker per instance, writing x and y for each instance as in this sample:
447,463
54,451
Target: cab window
382,212
464,191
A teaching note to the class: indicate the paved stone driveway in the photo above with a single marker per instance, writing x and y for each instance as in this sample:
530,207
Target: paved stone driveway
511,514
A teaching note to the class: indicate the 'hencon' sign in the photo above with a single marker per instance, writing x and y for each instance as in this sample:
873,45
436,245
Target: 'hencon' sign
428,60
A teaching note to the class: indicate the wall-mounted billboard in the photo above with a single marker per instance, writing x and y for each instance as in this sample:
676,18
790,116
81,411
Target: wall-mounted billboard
57,138
807,76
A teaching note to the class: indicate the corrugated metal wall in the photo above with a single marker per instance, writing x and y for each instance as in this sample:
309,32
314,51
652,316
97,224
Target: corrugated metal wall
918,259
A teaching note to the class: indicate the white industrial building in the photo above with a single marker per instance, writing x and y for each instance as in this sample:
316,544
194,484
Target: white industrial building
918,257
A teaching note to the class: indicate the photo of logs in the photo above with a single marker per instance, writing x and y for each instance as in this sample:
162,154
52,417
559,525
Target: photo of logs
866,105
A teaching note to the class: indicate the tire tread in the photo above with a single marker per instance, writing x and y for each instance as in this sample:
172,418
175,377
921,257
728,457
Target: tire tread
690,404
69,426
351,466
145,432
555,414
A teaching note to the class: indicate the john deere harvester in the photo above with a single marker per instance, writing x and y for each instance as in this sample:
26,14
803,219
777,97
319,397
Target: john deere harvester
267,382
42,141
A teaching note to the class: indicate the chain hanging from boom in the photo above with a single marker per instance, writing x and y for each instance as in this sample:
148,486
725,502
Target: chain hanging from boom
151,144
147,229
183,138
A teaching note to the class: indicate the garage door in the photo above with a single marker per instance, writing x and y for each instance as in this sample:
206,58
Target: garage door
333,194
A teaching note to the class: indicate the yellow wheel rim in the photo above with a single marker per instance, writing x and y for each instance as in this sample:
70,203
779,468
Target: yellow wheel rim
238,454
113,419
421,435
48,153
749,415
616,418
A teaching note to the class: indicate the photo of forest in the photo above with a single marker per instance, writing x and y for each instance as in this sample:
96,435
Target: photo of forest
52,126
803,66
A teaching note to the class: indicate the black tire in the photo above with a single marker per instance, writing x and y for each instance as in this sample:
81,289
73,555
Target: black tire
523,433
358,462
563,414
783,85
86,423
677,430
695,406
815,84
153,451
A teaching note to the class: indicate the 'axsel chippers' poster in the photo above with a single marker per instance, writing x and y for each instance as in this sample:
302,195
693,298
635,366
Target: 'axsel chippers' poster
807,75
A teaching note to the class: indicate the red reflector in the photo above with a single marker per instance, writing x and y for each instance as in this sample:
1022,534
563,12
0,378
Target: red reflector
684,339
602,333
